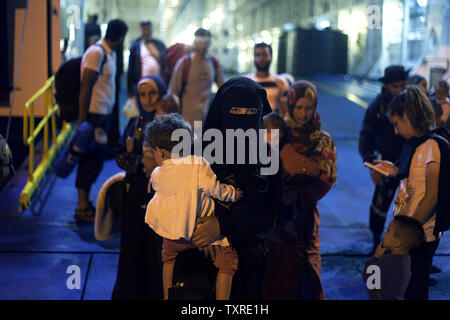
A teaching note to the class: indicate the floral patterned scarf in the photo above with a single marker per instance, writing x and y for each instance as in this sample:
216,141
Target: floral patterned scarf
309,139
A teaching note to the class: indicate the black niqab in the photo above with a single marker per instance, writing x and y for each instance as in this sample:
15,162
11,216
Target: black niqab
239,92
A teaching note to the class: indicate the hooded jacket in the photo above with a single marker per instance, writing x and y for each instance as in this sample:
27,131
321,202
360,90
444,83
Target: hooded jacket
135,64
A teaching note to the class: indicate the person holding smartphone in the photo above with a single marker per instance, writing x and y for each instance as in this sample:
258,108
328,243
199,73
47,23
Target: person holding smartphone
423,171
377,140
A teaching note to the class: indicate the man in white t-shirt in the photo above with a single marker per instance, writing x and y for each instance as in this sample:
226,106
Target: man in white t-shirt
97,98
275,86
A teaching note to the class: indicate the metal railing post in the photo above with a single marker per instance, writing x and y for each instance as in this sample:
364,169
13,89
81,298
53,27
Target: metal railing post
31,147
30,134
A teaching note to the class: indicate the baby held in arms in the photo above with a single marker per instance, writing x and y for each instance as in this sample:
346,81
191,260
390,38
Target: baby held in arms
184,187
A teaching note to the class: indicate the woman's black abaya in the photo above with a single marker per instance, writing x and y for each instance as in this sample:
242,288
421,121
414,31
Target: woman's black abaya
247,222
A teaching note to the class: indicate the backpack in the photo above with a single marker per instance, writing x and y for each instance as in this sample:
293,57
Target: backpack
186,65
442,137
67,86
173,54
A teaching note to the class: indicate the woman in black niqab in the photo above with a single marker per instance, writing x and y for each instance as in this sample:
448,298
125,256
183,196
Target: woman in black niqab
241,103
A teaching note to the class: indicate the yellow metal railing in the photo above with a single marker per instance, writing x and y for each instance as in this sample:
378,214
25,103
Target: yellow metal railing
30,133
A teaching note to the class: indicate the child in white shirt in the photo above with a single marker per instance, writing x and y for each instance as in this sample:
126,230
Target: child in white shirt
184,189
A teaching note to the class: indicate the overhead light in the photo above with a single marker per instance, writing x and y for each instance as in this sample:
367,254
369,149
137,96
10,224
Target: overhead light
217,16
359,19
103,28
288,26
173,3
206,23
422,3
276,31
344,21
168,14
257,38
324,24
266,37
232,5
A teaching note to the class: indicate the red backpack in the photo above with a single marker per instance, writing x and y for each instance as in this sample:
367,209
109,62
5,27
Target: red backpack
174,53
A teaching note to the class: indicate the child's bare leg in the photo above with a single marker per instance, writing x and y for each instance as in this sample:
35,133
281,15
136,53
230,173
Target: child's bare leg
167,278
223,286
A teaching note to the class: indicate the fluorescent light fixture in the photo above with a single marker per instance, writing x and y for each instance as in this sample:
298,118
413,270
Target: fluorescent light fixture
266,37
288,26
323,24
422,3
217,16
206,23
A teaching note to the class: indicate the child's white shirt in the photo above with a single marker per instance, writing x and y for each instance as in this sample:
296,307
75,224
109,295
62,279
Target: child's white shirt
412,189
184,189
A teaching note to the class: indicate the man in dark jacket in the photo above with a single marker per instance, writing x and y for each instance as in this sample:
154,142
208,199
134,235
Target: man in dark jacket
377,140
6,161
440,100
92,32
146,57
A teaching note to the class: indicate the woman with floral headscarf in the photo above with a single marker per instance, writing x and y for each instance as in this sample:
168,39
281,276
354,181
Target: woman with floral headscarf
309,163
140,267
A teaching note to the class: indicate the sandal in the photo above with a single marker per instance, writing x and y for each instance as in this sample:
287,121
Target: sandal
86,214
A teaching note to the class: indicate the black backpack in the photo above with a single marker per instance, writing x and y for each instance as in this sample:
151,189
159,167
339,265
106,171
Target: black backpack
442,137
67,86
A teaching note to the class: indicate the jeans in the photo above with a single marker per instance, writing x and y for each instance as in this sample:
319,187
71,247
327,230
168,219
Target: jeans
91,164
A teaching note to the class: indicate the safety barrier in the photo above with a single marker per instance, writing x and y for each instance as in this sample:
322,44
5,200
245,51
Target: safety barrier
30,133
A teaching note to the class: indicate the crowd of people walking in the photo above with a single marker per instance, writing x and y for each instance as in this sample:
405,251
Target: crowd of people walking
260,231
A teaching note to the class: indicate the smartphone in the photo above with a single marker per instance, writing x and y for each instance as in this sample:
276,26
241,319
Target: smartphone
380,171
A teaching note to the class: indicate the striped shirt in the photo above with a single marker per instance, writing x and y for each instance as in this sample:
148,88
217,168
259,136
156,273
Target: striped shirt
275,87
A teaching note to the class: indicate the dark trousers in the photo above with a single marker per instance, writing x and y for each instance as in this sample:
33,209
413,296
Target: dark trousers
421,259
139,273
248,279
381,201
89,168
91,163
293,269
